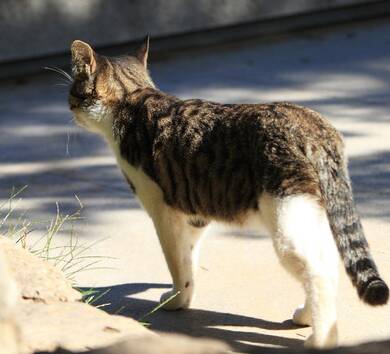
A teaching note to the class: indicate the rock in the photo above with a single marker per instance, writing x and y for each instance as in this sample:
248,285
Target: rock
174,344
37,279
72,325
47,313
9,337
169,344
9,296
164,344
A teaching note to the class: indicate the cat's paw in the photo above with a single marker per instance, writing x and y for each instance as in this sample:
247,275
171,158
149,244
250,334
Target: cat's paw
302,316
326,340
310,342
178,301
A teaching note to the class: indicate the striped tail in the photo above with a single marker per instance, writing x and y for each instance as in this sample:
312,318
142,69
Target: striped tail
348,234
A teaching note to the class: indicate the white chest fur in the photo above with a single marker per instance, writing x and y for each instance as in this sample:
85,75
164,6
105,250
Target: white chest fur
100,120
148,192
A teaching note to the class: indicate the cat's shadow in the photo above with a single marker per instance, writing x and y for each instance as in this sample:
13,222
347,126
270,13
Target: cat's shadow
118,299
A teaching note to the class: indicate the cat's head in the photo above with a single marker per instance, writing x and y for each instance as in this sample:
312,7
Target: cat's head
100,82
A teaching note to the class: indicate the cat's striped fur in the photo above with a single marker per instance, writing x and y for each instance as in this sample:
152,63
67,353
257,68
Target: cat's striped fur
213,161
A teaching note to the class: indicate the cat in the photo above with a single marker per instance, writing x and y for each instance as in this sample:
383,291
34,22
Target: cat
191,162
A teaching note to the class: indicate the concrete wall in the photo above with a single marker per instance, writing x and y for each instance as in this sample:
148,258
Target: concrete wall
37,28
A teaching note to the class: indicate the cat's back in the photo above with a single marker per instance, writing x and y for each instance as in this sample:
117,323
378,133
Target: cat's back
172,116
247,126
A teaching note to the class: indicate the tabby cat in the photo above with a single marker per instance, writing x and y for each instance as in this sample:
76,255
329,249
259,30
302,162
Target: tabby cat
193,161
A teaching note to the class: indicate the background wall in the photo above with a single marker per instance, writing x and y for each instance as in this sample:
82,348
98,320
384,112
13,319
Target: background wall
37,28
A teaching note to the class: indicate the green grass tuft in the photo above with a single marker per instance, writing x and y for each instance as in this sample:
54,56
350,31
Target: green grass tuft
71,258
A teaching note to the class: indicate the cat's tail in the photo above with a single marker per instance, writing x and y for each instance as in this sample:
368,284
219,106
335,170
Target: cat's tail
348,232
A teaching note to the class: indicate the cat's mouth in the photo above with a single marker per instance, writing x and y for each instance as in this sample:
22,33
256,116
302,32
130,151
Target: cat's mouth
74,102
77,110
77,118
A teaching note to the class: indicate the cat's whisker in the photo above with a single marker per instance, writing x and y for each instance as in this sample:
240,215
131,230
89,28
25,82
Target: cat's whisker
60,71
62,84
65,80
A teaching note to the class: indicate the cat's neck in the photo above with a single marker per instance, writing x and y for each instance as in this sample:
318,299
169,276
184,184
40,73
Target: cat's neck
132,130
144,103
125,111
140,96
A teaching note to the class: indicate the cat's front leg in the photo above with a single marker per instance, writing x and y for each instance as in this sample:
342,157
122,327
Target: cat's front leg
179,241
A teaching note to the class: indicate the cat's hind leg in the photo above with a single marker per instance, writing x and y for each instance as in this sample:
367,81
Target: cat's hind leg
179,240
305,246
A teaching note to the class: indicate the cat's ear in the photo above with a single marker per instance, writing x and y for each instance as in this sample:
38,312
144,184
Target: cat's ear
143,51
83,58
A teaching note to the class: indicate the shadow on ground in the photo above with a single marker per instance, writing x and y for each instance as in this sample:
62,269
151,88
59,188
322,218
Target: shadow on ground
370,176
194,322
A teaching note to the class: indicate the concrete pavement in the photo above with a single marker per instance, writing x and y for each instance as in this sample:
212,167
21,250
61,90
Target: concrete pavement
244,296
